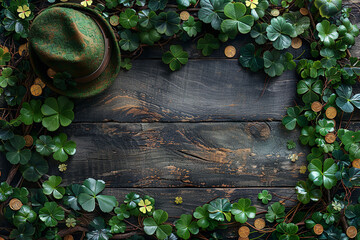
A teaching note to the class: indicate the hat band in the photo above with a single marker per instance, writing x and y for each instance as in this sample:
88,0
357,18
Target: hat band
105,61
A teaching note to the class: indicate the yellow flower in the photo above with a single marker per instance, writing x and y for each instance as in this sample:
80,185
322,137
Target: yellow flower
251,3
303,169
145,206
62,167
86,3
24,11
178,200
70,222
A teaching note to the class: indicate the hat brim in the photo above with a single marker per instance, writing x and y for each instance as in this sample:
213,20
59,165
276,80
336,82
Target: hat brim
96,86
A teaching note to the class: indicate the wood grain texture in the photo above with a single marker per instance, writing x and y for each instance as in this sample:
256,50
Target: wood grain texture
184,154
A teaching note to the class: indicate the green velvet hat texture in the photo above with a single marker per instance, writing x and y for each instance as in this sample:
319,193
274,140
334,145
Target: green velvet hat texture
69,38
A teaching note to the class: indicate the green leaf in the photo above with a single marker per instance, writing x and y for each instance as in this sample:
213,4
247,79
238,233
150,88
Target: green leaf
51,186
63,148
202,214
57,112
279,32
45,145
323,175
122,212
298,21
324,126
132,199
328,8
218,209
238,20
191,27
287,231
327,33
175,57
117,226
155,5
5,130
344,100
212,11
149,37
4,57
128,19
15,152
167,23
260,9
6,78
185,226
31,112
208,44
276,63
308,136
307,191
147,19
251,58
98,230
72,193
5,191
155,225
293,116
23,232
14,95
258,32
35,168
129,40
126,63
276,211
310,89
265,196
51,213
242,210
25,214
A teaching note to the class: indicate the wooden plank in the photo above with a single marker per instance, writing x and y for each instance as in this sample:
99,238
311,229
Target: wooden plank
184,154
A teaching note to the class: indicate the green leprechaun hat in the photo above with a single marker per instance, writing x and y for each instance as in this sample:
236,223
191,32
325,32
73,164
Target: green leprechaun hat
70,39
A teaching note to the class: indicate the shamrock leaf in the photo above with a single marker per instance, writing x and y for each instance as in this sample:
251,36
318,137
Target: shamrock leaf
185,226
126,63
238,20
328,8
98,230
310,89
63,148
51,186
260,9
6,78
348,31
5,191
117,226
191,27
51,213
15,152
14,95
122,212
21,194
25,214
307,191
175,57
327,33
128,19
208,44
325,126
202,214
149,37
5,130
90,191
31,112
293,116
242,210
265,196
155,5
279,32
298,21
4,57
258,32
251,58
276,63
323,174
129,40
287,231
13,23
57,112
155,225
167,23
132,200
344,100
308,135
35,168
212,11
72,194
23,232
219,209
45,145
276,211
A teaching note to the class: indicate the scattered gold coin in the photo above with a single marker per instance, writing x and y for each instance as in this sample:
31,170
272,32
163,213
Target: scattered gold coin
51,73
304,11
36,90
244,232
114,20
331,112
351,232
23,50
316,106
296,43
39,82
28,140
230,51
356,163
15,204
68,237
330,138
259,223
318,229
275,12
184,15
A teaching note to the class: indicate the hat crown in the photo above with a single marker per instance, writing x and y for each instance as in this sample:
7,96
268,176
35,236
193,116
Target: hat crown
67,40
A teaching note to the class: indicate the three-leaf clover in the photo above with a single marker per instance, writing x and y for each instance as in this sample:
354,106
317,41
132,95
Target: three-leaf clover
4,57
212,11
51,186
323,174
31,112
117,226
51,213
264,196
307,191
191,27
249,57
175,57
122,212
208,44
155,225
5,191
238,22
128,19
324,126
15,152
167,23
279,32
45,145
327,33
7,78
129,40
276,211
202,214
35,168
63,147
25,214
293,117
287,231
99,231
132,199
219,209
310,89
186,226
328,8
242,210
344,100
298,21
72,194
57,112
90,191
23,232
258,32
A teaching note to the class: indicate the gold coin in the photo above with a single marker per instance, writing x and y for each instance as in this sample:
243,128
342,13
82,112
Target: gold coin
23,50
275,12
331,112
330,138
304,11
259,223
230,51
39,82
15,204
184,15
68,237
28,140
36,90
51,73
356,163
351,232
114,20
316,106
296,43
318,229
244,232
241,238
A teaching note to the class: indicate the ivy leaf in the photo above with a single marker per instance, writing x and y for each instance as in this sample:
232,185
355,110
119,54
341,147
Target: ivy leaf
167,23
279,32
251,58
4,57
99,230
238,20
72,193
212,11
310,89
293,116
35,168
324,126
260,9
258,32
25,214
51,213
128,19
208,44
6,78
31,112
15,152
90,191
57,112
5,191
327,33
175,57
307,191
242,210
63,148
323,175
202,214
276,211
219,209
45,145
265,196
298,21
328,8
191,27
185,226
129,40
155,225
51,186
117,226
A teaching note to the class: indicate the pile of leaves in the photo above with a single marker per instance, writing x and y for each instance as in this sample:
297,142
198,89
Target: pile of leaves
30,138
